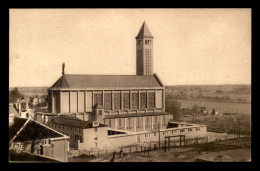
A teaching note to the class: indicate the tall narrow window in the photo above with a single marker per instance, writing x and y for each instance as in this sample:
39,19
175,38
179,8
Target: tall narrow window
98,98
126,100
108,101
151,98
117,101
135,100
143,100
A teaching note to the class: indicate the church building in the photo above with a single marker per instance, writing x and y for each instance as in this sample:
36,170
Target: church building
133,103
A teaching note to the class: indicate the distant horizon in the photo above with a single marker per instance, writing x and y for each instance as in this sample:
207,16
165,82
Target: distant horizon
164,85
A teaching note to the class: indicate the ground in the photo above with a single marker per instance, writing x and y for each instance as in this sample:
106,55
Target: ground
232,150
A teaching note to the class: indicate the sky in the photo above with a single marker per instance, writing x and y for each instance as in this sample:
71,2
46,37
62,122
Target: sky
191,46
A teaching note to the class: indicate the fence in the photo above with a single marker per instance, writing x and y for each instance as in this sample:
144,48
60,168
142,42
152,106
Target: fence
140,148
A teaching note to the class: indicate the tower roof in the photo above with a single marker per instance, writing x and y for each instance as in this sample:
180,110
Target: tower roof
144,32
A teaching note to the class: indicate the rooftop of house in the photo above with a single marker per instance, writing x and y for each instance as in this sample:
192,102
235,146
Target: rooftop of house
30,130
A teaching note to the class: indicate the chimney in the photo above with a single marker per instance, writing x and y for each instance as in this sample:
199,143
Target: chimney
63,68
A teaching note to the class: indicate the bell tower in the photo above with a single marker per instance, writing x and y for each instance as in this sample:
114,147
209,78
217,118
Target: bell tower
144,51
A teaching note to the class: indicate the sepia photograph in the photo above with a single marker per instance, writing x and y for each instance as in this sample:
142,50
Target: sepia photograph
129,85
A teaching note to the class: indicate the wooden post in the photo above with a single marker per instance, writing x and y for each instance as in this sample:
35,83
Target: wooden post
169,141
114,155
165,145
159,134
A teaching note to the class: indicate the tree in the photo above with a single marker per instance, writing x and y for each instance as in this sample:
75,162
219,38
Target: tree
213,112
195,108
14,95
173,107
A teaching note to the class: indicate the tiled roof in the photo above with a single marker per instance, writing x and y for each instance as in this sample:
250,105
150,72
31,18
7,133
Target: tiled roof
144,32
102,81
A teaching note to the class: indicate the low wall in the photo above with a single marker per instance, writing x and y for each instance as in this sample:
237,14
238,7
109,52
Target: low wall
142,138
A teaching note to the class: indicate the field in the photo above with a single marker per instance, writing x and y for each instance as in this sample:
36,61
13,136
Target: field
221,107
222,93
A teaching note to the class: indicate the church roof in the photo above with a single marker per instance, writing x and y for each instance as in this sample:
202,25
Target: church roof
144,32
106,81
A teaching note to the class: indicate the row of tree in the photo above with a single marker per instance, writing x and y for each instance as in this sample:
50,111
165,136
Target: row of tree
15,94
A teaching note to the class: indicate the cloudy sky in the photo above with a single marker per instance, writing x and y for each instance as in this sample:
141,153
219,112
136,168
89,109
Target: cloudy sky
191,46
